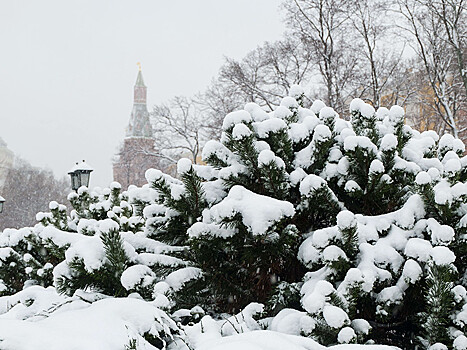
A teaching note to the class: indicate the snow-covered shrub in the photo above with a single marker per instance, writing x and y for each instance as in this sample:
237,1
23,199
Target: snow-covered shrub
87,249
113,254
354,231
372,208
27,257
39,318
394,273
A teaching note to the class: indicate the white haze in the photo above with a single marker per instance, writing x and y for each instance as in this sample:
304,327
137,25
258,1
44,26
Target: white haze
67,68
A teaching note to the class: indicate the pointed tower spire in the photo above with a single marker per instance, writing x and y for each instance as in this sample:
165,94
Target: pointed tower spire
140,89
139,79
139,125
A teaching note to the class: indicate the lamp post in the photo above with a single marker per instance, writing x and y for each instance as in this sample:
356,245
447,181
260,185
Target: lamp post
2,200
80,175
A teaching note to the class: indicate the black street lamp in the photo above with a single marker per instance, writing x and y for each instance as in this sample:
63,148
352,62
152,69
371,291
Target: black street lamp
80,174
2,200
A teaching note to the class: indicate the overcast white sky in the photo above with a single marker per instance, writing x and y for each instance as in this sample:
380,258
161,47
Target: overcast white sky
67,68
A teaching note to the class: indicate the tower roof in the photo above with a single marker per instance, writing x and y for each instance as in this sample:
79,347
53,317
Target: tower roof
139,79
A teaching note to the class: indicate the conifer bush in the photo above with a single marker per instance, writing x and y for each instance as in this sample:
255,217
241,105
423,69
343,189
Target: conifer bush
357,228
98,251
372,209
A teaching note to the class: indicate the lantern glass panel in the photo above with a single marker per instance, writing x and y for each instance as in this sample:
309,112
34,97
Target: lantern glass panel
84,177
1,206
74,181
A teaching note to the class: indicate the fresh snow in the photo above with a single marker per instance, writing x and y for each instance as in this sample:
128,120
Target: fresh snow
258,212
240,131
137,274
317,106
183,165
236,117
81,166
107,324
273,125
296,91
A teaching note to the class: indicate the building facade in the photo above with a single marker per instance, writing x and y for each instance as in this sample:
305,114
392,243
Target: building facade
137,153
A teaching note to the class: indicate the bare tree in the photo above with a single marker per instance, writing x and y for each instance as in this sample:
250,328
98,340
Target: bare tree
218,100
371,21
403,84
343,49
452,14
263,76
27,191
323,28
425,22
266,74
180,129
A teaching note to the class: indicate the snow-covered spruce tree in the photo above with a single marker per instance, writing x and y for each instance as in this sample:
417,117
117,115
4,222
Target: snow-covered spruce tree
97,217
243,234
375,211
278,179
254,246
169,210
397,274
261,157
101,248
107,251
271,179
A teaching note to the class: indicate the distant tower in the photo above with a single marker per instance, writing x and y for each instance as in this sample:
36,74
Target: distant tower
136,155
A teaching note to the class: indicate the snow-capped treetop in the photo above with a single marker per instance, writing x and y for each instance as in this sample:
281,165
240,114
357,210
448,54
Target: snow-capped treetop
184,165
258,212
289,102
236,117
273,125
257,113
240,131
366,110
115,185
296,91
317,106
282,112
396,114
389,142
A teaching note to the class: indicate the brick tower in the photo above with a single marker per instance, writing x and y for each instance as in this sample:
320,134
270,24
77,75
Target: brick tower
136,155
